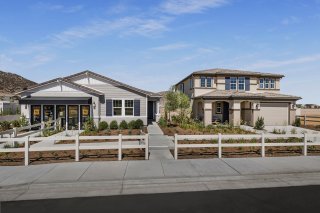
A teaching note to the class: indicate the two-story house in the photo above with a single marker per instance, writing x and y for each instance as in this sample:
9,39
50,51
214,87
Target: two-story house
238,97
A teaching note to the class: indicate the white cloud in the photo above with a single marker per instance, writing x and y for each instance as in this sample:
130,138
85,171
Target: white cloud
272,64
122,26
57,7
169,47
177,7
290,20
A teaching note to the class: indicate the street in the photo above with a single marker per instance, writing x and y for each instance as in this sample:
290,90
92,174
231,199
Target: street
285,199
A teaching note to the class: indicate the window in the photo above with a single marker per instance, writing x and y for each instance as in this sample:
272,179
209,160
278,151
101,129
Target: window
241,83
233,83
218,109
272,84
203,81
117,107
191,83
266,83
209,82
181,87
261,83
128,104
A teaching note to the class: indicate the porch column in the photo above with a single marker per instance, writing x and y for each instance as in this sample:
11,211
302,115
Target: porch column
255,107
207,117
158,115
235,113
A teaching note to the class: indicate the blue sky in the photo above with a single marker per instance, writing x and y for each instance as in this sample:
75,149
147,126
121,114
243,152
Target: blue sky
153,44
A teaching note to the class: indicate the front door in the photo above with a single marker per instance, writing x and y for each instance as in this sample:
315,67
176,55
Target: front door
61,114
151,116
73,117
48,113
225,112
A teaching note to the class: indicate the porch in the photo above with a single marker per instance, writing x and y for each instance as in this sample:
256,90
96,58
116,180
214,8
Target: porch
72,111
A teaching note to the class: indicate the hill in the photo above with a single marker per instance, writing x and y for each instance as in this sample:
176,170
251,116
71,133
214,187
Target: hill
11,83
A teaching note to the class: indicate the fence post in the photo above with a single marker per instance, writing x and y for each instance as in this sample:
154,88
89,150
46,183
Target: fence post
176,146
263,148
305,120
26,151
15,132
305,145
120,147
147,146
42,128
77,157
219,145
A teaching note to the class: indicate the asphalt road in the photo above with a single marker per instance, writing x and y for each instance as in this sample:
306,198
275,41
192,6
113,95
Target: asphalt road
287,199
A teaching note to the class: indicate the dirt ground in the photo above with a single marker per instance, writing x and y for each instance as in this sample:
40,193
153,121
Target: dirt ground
180,131
17,159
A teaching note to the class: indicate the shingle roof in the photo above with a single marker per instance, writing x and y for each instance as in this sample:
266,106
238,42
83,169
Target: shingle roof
228,94
68,79
219,71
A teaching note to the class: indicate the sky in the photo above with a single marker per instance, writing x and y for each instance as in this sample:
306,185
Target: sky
154,44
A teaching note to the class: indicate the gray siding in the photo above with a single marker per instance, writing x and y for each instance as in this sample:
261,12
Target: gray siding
113,92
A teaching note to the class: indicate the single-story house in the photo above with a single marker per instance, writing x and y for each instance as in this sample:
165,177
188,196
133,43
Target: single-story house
75,98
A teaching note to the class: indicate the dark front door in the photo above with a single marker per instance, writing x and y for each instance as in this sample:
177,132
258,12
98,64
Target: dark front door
225,116
48,113
151,116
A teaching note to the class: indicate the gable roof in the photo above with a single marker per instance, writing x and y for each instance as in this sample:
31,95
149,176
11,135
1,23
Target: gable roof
68,80
219,71
63,80
112,81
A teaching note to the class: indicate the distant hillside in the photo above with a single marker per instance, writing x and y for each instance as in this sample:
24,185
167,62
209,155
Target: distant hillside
11,83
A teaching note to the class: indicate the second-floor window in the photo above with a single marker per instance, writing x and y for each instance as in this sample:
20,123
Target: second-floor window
267,83
206,82
261,83
272,84
233,83
241,83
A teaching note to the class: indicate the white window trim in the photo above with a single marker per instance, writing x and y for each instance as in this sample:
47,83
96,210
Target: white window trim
220,111
261,83
265,83
124,107
244,84
234,83
123,112
274,83
205,82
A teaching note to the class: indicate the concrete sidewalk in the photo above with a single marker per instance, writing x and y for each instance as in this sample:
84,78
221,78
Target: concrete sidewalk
154,176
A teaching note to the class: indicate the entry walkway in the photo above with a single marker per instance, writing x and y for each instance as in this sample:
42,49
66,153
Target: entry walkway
159,144
154,176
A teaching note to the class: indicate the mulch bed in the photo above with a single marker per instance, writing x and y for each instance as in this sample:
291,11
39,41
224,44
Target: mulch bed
180,131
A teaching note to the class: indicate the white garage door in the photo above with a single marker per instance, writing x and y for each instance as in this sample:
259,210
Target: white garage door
275,114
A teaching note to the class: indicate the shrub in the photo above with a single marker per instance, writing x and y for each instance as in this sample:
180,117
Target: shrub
162,122
297,122
103,125
259,125
139,124
23,121
15,123
114,125
89,125
293,131
123,125
5,125
132,125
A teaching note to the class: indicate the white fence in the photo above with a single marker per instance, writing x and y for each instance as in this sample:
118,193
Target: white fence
77,146
262,137
15,131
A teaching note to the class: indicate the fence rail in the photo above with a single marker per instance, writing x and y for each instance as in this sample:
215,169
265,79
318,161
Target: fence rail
262,137
15,131
77,146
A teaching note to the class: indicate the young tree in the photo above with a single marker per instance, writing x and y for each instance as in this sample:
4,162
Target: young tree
171,102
